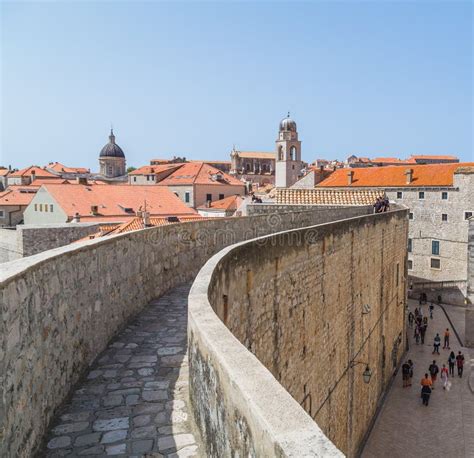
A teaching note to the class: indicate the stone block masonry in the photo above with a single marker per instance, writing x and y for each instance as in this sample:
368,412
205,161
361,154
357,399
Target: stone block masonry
60,308
311,307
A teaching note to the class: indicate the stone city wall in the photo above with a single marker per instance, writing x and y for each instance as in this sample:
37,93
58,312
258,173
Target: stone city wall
60,308
29,239
315,306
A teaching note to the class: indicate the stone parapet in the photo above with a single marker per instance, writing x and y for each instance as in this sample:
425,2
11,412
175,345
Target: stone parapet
60,308
281,329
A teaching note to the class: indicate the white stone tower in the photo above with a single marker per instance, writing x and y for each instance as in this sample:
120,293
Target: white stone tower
288,154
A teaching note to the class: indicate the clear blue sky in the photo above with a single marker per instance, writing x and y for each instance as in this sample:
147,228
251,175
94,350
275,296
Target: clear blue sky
187,78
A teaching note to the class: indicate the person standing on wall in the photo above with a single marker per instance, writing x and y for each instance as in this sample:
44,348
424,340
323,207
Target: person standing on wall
451,363
446,339
460,363
411,319
431,310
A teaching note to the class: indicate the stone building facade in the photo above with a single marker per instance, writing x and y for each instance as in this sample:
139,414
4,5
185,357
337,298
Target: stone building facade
253,166
288,150
441,200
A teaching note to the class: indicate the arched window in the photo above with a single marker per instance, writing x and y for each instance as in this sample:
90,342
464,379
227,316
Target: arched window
293,153
280,153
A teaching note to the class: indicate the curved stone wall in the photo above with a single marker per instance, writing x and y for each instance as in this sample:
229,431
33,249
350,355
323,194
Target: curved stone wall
292,320
61,307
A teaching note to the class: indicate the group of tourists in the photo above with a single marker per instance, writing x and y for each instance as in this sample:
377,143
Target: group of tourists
419,323
382,204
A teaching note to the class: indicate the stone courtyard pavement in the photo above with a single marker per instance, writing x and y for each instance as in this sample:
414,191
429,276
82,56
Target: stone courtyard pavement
135,399
405,428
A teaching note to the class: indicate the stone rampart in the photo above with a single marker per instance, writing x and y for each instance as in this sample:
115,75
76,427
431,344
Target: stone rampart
60,308
304,311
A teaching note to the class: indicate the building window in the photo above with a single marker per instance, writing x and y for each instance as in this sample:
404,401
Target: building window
421,195
444,195
399,194
41,207
36,207
135,179
221,196
410,215
208,197
187,197
2,214
51,207
45,207
444,217
435,263
435,247
410,264
467,215
410,245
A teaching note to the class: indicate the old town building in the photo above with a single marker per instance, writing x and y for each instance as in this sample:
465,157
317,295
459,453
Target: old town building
112,160
441,201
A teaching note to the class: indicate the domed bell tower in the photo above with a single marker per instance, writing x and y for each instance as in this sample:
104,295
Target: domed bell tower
288,154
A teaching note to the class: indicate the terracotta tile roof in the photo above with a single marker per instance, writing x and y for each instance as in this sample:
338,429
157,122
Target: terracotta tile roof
394,176
116,201
154,169
391,160
433,156
198,173
61,168
325,196
212,162
230,203
257,154
37,171
136,223
39,181
17,195
4,172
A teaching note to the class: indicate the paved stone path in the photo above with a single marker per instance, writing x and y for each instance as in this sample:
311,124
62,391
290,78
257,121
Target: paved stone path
134,401
405,428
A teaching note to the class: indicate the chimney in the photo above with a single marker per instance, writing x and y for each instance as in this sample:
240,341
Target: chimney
94,209
409,174
208,204
146,219
33,175
76,219
321,168
350,177
81,180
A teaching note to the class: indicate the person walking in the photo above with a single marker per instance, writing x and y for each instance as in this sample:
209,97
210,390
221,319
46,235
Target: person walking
436,344
412,366
431,310
423,329
433,370
451,363
417,334
446,340
405,374
426,389
411,319
460,363
444,376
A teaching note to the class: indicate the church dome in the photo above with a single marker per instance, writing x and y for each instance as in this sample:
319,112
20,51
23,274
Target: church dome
287,124
111,149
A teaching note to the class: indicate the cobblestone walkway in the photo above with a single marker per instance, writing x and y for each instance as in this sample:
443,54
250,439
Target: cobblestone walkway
135,399
405,428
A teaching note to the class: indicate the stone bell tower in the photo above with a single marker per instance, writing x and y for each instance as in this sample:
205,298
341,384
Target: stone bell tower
288,154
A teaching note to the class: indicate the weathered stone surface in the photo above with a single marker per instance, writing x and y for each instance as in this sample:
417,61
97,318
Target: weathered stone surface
114,436
175,442
110,425
159,395
70,427
142,446
59,442
116,449
87,439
